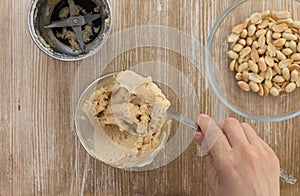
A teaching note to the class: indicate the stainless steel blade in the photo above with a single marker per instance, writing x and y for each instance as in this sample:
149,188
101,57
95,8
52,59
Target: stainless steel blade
182,119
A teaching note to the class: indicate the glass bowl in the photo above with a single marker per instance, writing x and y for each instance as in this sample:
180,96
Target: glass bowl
99,145
246,104
171,142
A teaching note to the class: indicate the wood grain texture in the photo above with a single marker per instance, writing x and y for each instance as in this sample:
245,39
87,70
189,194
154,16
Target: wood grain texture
40,152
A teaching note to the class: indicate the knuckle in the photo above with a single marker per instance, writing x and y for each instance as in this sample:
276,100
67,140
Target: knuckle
230,121
227,163
275,160
246,125
249,152
253,159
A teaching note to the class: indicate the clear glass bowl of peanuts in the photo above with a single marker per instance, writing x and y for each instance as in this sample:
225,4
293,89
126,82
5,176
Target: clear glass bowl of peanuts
254,49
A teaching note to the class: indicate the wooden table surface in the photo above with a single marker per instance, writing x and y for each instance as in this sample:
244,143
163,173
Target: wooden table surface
40,152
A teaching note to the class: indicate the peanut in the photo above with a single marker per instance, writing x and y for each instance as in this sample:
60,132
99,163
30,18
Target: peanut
265,53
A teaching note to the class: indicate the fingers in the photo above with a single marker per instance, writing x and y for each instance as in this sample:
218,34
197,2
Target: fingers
234,132
254,139
214,140
267,148
251,135
272,157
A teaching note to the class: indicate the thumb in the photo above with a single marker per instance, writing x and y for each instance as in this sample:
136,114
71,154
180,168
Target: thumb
211,132
203,121
206,124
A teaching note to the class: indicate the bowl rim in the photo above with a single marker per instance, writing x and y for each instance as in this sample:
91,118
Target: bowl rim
209,76
83,94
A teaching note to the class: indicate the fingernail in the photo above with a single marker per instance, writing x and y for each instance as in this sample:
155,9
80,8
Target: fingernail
197,134
198,138
203,116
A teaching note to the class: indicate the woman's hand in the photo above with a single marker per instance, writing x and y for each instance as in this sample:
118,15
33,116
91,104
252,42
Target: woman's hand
240,162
